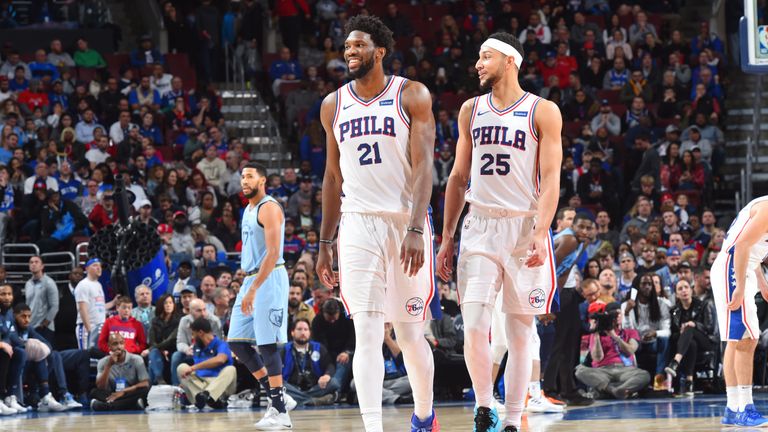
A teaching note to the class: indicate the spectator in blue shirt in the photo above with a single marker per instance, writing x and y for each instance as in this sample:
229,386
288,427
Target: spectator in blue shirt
57,95
149,129
84,128
284,69
19,81
40,68
146,54
706,39
308,369
144,95
69,186
212,378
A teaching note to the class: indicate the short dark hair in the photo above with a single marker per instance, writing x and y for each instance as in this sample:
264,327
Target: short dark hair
331,307
258,167
509,39
21,307
381,35
201,324
304,320
582,215
561,213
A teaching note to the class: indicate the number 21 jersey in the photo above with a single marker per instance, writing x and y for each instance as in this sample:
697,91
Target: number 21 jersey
374,154
505,155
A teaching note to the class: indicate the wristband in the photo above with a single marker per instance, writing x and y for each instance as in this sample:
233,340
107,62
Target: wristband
416,230
328,242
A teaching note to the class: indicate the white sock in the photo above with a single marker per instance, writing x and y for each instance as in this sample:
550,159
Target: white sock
372,422
534,389
517,374
745,396
732,398
477,350
368,367
420,364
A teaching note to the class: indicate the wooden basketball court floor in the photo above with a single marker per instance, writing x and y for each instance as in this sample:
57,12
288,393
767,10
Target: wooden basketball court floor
668,415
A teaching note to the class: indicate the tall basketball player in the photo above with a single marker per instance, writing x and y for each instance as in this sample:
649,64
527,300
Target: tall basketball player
509,145
378,180
260,313
736,278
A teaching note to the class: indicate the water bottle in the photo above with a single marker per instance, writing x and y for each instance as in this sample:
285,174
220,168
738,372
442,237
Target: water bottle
176,399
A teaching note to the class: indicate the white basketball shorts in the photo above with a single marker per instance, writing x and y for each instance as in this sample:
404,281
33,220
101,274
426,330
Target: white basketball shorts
370,274
492,257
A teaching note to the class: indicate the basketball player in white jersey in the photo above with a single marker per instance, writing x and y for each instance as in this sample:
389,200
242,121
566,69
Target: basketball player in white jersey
736,278
509,145
380,142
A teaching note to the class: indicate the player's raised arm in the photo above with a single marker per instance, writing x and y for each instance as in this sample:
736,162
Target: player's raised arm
549,124
753,230
331,194
454,191
417,103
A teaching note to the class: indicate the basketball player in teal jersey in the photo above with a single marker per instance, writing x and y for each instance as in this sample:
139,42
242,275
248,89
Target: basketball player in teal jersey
260,313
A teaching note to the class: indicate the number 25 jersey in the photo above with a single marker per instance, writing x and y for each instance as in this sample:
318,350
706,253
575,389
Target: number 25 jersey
505,155
373,140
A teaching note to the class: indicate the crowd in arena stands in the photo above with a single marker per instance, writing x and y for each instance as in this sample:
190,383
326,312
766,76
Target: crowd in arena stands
643,146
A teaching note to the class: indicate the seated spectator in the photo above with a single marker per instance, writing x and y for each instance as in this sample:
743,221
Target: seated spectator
149,128
57,365
144,95
84,128
18,81
582,108
614,370
34,97
144,310
706,39
308,369
693,333
640,28
162,338
650,316
211,378
597,186
284,69
135,340
104,213
184,336
10,65
535,26
58,57
145,54
221,307
618,43
637,86
616,77
12,357
120,129
692,174
336,333
86,57
41,68
122,381
297,309
607,119
59,221
213,168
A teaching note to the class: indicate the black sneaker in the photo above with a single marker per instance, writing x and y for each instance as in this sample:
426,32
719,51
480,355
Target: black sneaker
218,404
486,419
510,428
688,388
576,399
201,399
97,405
672,368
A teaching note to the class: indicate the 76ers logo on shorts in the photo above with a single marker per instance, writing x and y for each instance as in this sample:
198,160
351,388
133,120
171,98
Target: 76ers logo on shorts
414,306
536,298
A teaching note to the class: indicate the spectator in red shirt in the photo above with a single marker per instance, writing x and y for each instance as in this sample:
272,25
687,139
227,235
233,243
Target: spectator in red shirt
33,97
289,13
565,64
103,213
126,325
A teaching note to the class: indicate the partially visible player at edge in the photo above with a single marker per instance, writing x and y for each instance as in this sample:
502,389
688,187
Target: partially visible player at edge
260,312
380,143
512,155
737,276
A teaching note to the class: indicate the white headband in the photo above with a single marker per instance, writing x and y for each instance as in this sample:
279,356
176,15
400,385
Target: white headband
504,48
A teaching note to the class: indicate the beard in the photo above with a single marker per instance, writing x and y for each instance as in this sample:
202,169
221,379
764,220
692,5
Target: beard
293,303
301,341
489,83
365,66
253,193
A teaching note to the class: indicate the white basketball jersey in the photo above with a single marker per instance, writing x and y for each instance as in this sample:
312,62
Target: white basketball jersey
505,155
373,144
759,250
